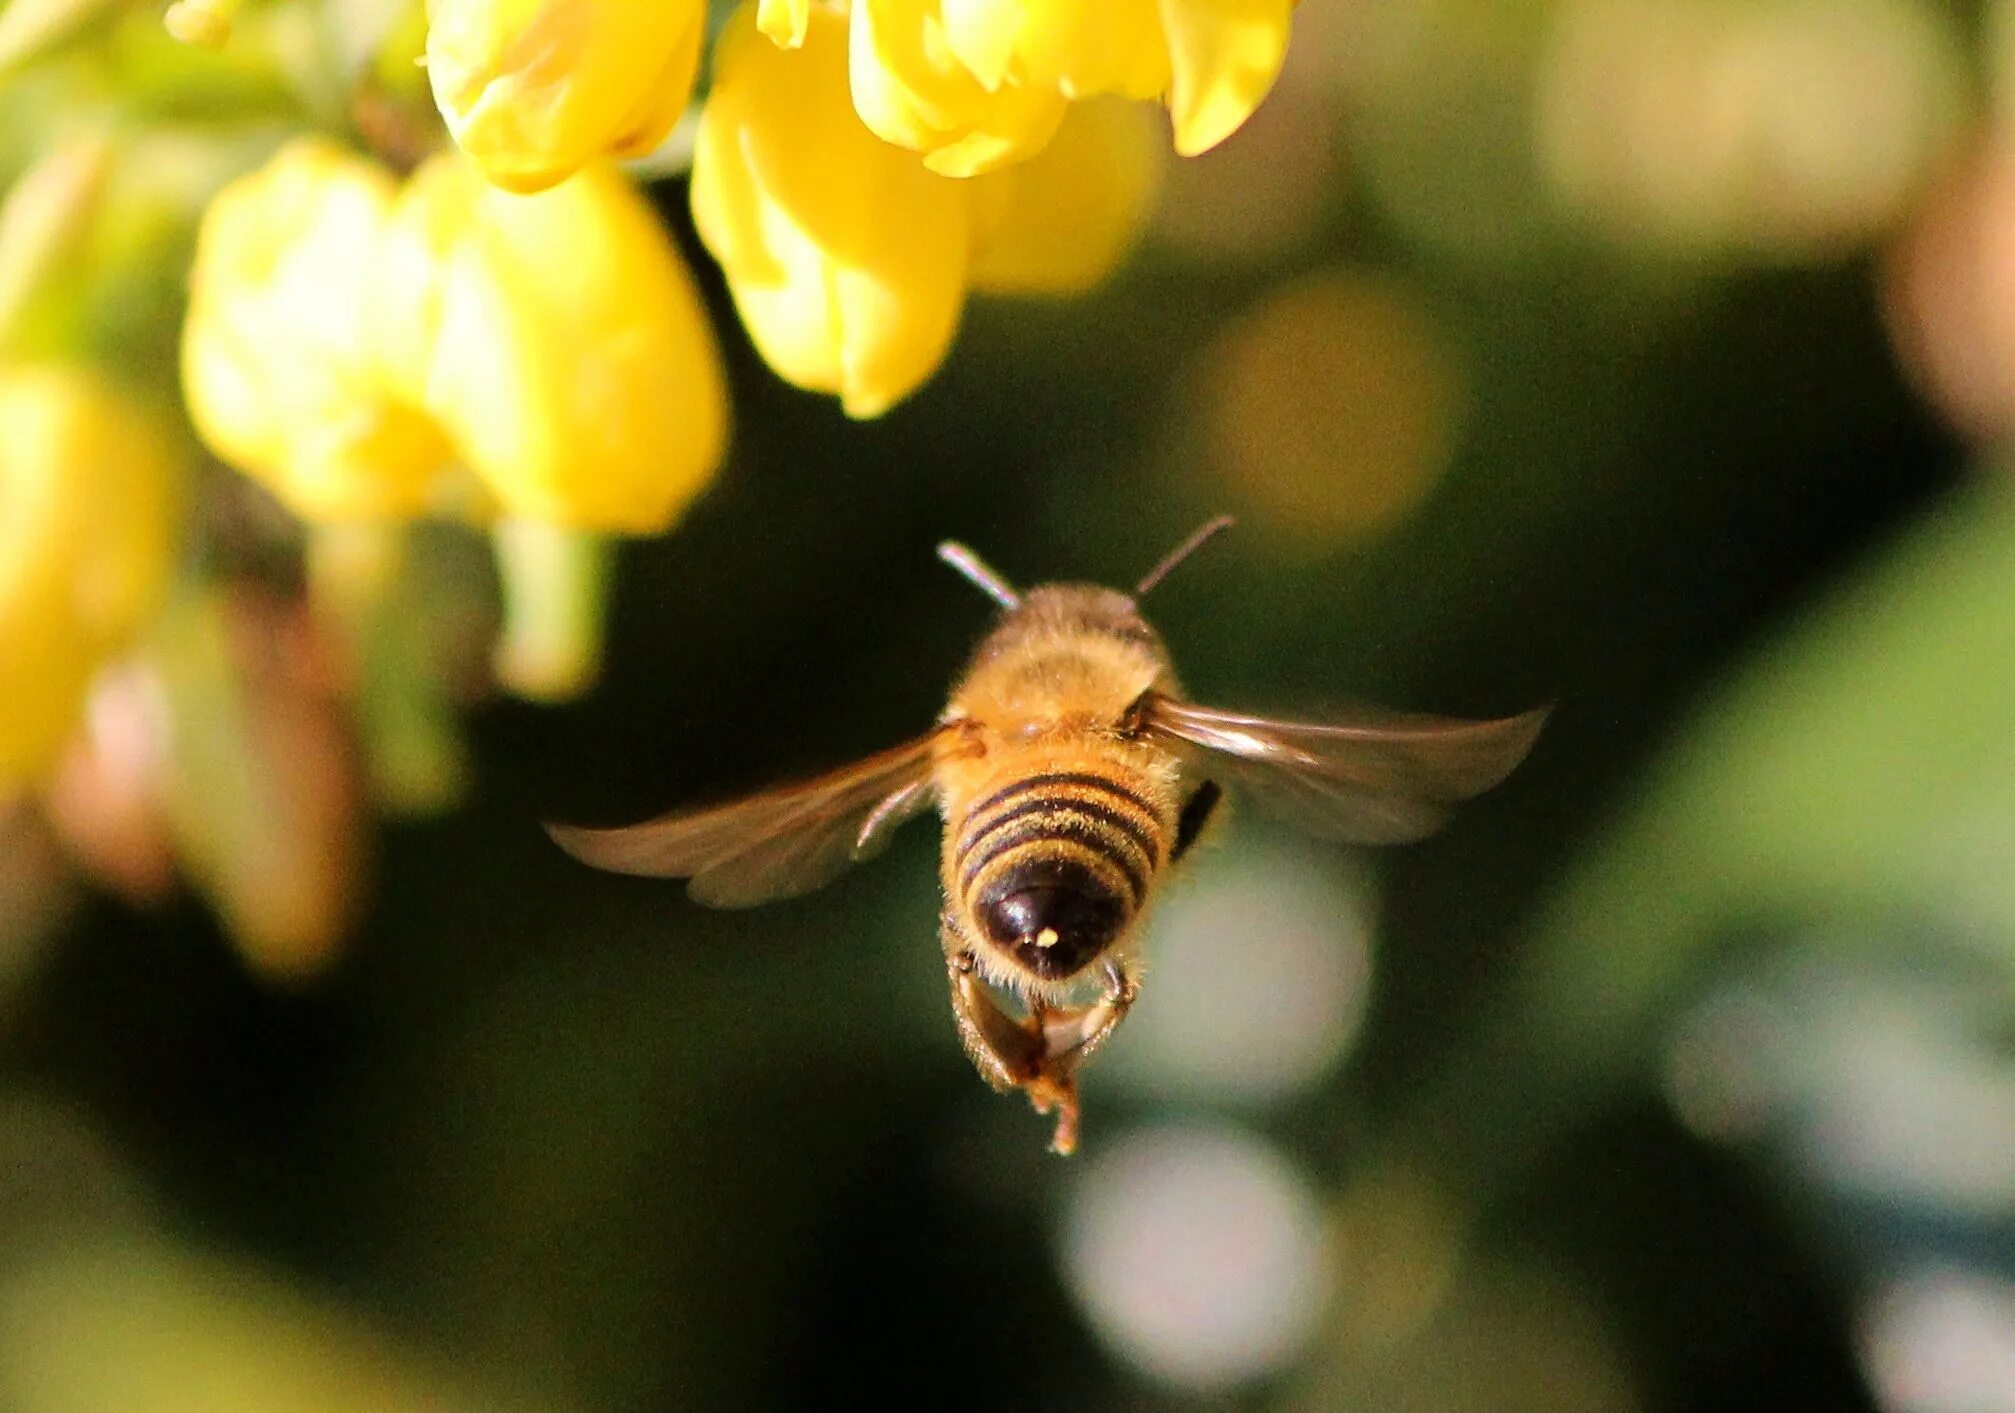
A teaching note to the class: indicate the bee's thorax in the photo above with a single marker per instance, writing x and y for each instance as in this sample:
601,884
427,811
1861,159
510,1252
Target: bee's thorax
1071,657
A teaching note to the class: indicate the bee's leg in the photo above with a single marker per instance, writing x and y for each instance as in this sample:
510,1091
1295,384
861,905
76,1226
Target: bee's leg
1047,1092
1068,1039
1009,1054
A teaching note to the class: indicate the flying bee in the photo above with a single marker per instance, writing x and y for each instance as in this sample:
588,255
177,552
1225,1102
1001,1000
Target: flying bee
1071,772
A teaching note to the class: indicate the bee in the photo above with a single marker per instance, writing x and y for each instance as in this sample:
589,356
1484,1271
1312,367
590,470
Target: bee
1072,773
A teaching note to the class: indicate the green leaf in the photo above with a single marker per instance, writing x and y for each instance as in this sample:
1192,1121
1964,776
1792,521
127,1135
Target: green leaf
1863,765
43,217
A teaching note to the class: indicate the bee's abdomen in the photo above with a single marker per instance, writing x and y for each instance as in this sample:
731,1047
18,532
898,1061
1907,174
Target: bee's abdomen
1055,865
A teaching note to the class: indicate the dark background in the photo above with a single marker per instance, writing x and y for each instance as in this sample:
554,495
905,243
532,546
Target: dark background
574,1142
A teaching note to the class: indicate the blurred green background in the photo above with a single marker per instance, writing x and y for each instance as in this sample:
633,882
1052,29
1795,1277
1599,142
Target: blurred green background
1601,353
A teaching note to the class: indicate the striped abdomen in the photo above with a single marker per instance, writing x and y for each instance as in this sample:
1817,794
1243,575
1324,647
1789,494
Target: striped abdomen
1054,866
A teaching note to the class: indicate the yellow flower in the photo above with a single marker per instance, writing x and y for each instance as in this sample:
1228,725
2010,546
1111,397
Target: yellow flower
89,502
558,340
203,23
1060,223
911,90
1212,60
784,21
532,90
275,365
849,260
846,256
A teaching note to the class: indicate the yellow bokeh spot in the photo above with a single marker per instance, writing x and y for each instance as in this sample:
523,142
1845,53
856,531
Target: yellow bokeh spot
1783,128
1329,409
203,23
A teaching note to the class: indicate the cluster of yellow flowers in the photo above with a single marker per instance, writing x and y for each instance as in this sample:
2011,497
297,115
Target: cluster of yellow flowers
433,291
508,334
369,349
857,175
850,258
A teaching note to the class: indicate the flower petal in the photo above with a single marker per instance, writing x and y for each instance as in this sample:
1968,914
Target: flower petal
845,256
911,90
276,363
1223,58
562,344
532,89
1112,46
784,21
91,493
1061,222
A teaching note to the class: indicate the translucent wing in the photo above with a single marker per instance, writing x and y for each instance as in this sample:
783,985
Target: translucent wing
777,844
1371,779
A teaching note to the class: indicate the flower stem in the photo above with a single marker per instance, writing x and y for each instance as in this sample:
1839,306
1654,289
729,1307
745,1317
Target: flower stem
363,583
555,587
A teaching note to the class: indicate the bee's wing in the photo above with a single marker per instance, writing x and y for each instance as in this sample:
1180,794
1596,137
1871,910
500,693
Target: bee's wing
1369,779
777,844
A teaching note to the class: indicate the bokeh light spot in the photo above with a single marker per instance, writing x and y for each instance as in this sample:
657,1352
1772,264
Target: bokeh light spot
1330,408
1792,128
1724,1071
1259,967
1268,187
1949,294
1943,1341
1198,1255
1879,1084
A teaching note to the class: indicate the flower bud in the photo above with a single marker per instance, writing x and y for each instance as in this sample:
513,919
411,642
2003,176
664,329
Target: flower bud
275,365
910,90
533,90
1211,60
845,255
104,798
89,513
203,23
261,789
558,340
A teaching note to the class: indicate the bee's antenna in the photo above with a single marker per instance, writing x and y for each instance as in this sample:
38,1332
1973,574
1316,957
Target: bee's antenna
977,570
1198,538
